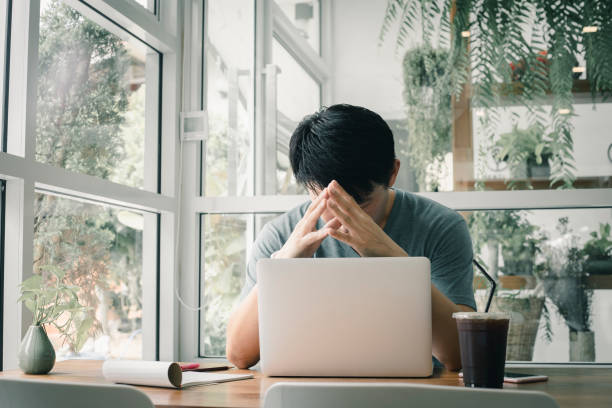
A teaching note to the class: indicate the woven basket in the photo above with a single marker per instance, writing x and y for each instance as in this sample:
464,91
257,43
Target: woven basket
524,322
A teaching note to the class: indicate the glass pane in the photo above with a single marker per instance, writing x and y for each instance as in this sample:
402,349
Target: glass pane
491,140
229,81
226,243
3,45
298,95
554,270
97,102
148,4
99,250
306,17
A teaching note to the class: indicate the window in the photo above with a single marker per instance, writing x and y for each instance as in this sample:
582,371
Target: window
226,243
150,5
2,213
5,21
553,277
305,16
450,152
100,250
95,107
229,65
89,177
298,95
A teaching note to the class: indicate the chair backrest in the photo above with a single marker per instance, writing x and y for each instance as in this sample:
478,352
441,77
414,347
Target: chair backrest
385,395
21,393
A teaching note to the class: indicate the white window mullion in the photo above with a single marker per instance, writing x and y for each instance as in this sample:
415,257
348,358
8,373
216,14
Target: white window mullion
22,90
18,261
289,37
187,263
459,201
131,17
171,17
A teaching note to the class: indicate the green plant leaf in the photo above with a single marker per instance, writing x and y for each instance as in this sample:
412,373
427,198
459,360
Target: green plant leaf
82,333
32,283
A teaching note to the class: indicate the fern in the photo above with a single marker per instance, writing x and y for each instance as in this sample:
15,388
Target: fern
497,37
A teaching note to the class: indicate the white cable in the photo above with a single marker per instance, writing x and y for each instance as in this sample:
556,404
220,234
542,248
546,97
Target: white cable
178,230
180,197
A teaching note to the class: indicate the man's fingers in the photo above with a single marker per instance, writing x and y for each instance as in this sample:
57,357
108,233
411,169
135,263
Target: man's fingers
343,198
317,236
339,213
310,220
333,223
323,194
341,236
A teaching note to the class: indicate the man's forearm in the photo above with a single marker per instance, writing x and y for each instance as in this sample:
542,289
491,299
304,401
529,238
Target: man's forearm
445,339
242,347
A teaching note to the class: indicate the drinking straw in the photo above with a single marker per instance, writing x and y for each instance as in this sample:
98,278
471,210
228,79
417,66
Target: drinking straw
491,280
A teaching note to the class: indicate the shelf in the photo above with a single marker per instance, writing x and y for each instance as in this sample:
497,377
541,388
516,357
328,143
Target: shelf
538,183
599,282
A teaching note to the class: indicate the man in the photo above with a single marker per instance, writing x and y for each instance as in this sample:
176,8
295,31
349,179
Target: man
345,157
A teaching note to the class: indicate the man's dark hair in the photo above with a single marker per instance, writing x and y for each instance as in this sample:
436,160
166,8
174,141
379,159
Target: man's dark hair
346,143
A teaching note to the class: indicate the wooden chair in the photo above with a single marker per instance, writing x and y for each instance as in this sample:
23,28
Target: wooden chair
22,393
385,395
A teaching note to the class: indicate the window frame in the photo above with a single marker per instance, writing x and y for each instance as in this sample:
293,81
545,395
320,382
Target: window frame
268,24
25,176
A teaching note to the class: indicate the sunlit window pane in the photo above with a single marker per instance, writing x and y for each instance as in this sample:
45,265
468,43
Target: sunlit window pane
298,95
306,17
96,98
226,243
554,271
148,4
229,81
99,250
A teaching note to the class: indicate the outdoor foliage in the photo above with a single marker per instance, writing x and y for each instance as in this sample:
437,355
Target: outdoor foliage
224,270
487,44
83,126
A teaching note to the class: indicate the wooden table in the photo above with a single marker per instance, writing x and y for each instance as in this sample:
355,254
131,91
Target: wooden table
569,386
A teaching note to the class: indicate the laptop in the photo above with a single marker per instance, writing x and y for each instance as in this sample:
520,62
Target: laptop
345,317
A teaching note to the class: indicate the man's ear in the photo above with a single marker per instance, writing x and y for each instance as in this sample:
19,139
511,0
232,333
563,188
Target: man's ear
396,167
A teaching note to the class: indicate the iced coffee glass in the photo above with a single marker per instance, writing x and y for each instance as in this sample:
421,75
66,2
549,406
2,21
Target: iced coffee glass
482,338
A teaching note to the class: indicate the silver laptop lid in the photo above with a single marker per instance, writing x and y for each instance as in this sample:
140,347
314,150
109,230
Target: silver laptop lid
355,317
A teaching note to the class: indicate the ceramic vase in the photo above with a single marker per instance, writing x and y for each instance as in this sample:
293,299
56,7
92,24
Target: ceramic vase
36,354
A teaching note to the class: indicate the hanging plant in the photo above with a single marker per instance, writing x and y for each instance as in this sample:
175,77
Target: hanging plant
428,113
485,39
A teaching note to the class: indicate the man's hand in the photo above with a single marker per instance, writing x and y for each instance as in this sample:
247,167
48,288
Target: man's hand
305,238
358,229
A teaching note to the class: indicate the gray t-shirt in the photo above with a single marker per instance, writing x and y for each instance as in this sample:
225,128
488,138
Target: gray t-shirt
421,226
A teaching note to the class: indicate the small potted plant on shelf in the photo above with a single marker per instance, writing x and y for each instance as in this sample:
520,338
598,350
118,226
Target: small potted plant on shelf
526,151
509,232
52,302
598,252
565,284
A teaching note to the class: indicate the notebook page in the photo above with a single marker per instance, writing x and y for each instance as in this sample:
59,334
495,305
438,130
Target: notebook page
152,373
196,378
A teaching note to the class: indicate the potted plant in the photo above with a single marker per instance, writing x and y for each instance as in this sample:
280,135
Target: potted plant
52,302
526,151
508,232
598,252
564,281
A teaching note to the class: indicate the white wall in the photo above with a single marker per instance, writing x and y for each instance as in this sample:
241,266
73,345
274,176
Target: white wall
363,73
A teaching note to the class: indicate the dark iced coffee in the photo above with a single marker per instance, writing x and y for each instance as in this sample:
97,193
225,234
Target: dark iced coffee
482,338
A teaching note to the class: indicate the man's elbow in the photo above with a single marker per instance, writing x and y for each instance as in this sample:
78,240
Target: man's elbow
452,363
240,360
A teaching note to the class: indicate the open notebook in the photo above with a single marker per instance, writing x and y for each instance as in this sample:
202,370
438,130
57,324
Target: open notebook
161,374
